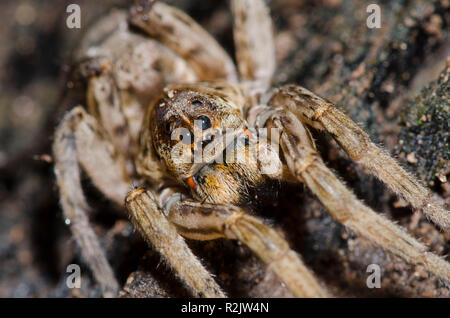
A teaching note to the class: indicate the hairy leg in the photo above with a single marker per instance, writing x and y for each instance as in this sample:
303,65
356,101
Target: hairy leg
322,114
103,101
77,140
307,166
254,41
151,222
185,37
208,221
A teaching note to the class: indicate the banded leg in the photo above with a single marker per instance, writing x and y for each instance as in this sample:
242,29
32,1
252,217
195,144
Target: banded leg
151,222
254,41
208,221
307,166
104,102
185,37
78,134
322,114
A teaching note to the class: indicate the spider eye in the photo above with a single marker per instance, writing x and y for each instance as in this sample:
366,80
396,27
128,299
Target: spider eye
205,122
169,128
197,103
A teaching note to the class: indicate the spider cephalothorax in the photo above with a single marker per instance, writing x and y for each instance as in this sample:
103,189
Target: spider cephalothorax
200,136
200,151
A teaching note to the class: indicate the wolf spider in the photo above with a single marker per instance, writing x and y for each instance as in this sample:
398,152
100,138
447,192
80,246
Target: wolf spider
143,87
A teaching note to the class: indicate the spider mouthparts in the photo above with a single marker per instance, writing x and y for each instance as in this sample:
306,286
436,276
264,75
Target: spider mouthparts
191,182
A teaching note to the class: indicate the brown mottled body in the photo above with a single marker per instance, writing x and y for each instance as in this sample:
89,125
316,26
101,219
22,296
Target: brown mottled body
152,112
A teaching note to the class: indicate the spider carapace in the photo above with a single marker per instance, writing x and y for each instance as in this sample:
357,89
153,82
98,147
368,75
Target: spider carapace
200,135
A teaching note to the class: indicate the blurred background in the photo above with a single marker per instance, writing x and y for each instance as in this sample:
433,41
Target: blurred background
392,80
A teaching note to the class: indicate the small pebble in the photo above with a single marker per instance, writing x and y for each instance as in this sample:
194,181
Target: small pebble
411,158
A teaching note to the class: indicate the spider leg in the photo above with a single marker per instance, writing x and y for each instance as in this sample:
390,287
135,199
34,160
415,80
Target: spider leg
104,102
185,37
154,226
322,114
78,134
308,167
254,42
209,221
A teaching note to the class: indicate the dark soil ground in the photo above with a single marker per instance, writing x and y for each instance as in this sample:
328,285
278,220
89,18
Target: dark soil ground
394,81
